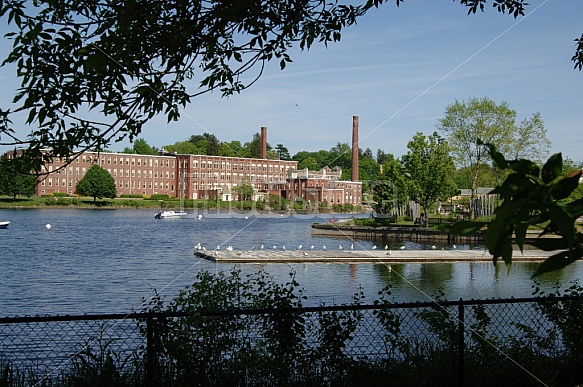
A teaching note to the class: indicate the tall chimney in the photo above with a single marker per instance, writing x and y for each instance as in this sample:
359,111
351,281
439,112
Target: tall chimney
354,148
263,142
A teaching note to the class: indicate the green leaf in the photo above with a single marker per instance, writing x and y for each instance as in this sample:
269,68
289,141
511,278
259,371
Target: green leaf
549,244
465,227
564,187
558,261
563,221
524,167
552,168
520,234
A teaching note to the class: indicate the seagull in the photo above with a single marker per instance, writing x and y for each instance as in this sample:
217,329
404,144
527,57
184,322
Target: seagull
386,247
389,253
274,247
402,247
218,247
299,247
261,247
312,247
352,246
374,247
454,246
340,247
324,247
433,247
305,254
283,247
204,249
229,248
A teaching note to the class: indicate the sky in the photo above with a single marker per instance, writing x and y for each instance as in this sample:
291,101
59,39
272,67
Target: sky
398,69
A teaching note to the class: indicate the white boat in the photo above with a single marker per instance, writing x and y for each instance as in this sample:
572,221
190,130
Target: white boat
4,224
170,214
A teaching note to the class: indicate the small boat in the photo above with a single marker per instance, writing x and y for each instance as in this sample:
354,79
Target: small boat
170,214
4,224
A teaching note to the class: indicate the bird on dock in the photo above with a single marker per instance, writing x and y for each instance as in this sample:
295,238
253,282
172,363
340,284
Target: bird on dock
261,247
229,248
324,247
218,247
340,247
433,247
305,254
204,249
253,248
283,247
386,247
454,246
312,247
374,247
389,253
352,246
299,247
274,247
402,248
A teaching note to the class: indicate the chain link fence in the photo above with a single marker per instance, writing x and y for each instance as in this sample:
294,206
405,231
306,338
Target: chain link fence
522,342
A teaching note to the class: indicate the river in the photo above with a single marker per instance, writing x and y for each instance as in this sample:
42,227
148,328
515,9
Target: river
109,261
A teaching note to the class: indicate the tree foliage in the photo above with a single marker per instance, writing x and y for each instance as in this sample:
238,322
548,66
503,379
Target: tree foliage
430,169
14,183
245,189
533,196
96,71
141,147
97,183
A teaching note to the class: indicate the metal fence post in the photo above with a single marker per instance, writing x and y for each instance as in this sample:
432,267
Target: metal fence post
461,344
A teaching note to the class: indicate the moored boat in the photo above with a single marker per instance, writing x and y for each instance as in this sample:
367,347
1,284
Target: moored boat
4,224
170,214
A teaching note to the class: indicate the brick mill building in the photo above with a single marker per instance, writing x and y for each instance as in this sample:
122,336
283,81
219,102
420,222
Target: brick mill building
203,176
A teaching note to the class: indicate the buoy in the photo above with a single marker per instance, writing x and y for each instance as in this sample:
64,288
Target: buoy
331,220
48,226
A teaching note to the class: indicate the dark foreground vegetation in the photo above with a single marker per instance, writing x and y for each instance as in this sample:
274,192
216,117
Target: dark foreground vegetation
250,331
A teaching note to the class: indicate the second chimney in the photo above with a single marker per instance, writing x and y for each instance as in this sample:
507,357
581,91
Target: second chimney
263,142
354,176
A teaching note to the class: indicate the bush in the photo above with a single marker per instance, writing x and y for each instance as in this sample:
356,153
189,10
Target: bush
132,196
159,197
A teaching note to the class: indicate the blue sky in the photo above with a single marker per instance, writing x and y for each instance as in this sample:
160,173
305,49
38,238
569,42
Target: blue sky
397,70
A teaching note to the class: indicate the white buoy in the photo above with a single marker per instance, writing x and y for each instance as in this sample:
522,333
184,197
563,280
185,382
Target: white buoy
48,226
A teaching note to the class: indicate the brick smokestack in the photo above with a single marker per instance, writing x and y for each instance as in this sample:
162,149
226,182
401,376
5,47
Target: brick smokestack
354,148
263,142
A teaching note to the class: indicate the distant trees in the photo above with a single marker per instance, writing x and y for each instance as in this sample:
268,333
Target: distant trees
430,170
96,183
141,147
244,189
14,183
466,122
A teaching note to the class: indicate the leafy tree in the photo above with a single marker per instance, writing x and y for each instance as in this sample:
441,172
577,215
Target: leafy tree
244,189
184,148
391,188
466,122
207,143
531,196
97,183
14,183
232,149
141,147
430,169
133,62
282,152
254,147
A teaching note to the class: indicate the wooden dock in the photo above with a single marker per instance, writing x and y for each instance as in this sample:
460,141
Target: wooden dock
362,256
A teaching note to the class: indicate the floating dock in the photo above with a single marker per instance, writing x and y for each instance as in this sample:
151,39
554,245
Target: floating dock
362,256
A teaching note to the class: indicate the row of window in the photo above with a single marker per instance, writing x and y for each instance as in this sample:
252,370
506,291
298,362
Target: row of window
208,164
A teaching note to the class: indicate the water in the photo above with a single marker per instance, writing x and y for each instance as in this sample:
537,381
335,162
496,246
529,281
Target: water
109,261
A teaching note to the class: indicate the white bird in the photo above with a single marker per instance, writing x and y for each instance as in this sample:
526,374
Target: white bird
246,217
389,253
312,247
340,247
229,248
48,226
218,247
454,246
261,247
386,247
305,254
324,247
283,247
352,246
374,247
433,247
274,247
299,247
402,248
204,249
197,246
